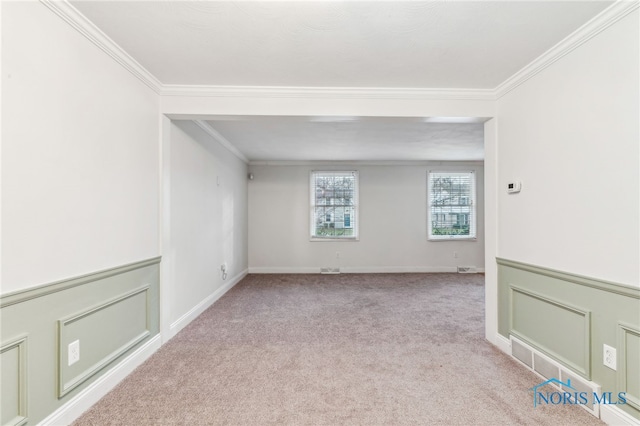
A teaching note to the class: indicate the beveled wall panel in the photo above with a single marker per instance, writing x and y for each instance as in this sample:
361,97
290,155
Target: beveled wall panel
103,333
112,313
569,318
13,383
629,363
552,326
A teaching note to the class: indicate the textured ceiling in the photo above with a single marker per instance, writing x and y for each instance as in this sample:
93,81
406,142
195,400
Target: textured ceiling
418,44
379,44
352,138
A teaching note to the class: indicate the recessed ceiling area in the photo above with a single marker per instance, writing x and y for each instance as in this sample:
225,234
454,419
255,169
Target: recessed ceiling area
320,45
280,138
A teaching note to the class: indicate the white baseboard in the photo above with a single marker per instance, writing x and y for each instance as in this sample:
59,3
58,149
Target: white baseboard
284,270
185,319
396,269
356,269
86,398
614,416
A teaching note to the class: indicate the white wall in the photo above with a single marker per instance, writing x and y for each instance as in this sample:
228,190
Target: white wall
571,135
393,223
80,154
207,220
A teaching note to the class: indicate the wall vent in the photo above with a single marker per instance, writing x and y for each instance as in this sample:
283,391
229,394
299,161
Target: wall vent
546,368
522,353
466,270
329,270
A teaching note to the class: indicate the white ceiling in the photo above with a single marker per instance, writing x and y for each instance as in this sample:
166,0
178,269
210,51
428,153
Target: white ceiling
378,44
352,138
428,44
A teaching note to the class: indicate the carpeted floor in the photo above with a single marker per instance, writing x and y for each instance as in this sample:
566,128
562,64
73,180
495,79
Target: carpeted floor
357,349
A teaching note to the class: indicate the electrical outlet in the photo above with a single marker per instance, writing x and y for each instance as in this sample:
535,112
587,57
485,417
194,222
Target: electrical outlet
455,254
609,357
337,255
73,352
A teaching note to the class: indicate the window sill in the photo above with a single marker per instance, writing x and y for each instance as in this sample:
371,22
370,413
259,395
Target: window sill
437,240
348,240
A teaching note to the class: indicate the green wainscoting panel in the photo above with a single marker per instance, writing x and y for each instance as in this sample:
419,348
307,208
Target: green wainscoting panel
123,323
629,363
112,313
556,328
569,317
13,388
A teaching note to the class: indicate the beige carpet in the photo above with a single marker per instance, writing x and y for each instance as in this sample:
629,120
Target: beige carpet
369,349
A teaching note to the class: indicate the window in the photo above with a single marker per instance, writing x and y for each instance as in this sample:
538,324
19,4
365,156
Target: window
451,206
334,205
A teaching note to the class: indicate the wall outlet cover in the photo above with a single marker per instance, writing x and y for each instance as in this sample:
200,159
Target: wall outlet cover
609,357
74,352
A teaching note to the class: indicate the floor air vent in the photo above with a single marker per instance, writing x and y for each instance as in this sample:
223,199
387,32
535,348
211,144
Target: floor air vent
329,270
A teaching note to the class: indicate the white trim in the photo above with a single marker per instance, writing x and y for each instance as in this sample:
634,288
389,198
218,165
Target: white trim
407,93
472,204
185,319
84,26
503,344
355,206
221,139
599,23
164,224
462,239
284,270
1,133
616,417
80,403
341,164
334,240
355,269
491,217
397,269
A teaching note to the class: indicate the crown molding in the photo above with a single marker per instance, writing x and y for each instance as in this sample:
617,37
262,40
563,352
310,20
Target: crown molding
221,139
84,26
599,23
88,29
358,163
328,92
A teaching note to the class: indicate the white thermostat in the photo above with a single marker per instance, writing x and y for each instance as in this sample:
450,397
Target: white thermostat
513,187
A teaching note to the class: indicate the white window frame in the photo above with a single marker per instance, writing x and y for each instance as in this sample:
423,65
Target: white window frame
471,203
354,218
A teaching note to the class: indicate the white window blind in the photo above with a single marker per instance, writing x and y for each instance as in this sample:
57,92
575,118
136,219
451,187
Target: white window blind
452,205
334,205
